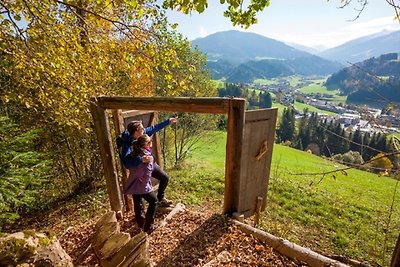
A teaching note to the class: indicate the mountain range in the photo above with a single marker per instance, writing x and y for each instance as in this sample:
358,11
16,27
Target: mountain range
365,47
243,56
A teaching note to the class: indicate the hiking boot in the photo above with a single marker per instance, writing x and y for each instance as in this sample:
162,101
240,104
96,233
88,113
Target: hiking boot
165,203
150,229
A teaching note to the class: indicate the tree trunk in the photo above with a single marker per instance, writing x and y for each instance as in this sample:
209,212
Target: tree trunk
289,249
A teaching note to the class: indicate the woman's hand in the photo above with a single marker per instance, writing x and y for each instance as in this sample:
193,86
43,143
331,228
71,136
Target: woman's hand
173,120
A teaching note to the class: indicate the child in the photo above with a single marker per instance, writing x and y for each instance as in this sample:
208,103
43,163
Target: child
139,185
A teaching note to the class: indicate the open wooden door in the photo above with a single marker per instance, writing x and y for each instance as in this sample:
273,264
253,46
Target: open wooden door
257,145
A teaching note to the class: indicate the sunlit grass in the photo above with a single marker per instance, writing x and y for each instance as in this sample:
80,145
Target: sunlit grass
355,204
302,106
264,81
280,108
317,89
320,89
293,80
346,213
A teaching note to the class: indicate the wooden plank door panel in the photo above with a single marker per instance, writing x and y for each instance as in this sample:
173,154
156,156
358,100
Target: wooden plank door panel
258,140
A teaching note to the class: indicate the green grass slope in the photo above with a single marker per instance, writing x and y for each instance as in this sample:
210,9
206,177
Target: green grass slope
352,213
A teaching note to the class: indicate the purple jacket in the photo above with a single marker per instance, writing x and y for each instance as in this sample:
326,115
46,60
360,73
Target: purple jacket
139,181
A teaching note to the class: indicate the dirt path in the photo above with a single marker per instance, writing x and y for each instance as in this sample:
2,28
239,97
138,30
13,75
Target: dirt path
194,237
189,239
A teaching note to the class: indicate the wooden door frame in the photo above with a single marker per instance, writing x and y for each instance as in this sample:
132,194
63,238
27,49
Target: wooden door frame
234,107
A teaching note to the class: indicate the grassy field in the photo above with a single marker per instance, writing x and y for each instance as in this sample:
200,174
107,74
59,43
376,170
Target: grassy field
317,88
302,106
345,214
280,108
219,83
264,81
293,80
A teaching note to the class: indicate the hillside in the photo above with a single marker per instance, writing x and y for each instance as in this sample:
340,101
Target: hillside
269,68
365,47
238,47
330,215
373,80
243,57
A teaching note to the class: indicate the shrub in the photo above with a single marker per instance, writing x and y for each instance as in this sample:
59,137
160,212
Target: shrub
349,158
380,163
23,170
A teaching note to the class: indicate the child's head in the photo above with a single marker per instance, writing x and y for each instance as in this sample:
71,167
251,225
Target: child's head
144,141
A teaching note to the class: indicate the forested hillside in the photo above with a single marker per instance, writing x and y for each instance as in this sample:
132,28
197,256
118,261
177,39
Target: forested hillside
269,68
374,79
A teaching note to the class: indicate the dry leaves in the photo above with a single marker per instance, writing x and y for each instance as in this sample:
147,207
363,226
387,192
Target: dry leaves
189,239
195,239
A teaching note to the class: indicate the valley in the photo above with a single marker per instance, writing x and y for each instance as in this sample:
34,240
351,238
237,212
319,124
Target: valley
361,94
310,94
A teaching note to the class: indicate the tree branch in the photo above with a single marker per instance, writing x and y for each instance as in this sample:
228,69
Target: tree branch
18,30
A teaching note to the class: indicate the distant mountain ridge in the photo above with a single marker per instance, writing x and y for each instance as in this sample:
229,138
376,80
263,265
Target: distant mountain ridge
243,56
365,47
239,47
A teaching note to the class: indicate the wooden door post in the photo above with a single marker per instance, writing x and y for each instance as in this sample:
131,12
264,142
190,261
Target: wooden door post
233,154
119,128
102,128
396,254
156,140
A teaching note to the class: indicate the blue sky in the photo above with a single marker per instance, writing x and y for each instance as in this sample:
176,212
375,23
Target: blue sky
313,23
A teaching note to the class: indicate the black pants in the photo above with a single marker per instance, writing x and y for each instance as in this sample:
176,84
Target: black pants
145,221
160,175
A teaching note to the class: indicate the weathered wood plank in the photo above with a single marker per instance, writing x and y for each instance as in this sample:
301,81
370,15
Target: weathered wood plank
102,128
133,113
258,210
213,105
103,234
258,140
178,208
156,140
233,154
106,218
114,244
133,250
119,128
139,257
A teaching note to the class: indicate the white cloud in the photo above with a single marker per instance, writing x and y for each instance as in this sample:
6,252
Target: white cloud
352,31
203,32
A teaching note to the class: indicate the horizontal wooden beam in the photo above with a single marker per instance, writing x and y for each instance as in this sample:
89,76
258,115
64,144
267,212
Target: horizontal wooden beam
213,105
133,113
